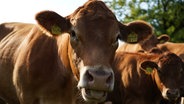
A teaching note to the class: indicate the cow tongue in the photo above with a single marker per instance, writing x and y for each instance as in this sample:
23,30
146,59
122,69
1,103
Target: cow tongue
93,95
97,94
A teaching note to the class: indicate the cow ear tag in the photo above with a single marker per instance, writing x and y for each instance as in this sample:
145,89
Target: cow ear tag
132,37
162,41
55,29
148,70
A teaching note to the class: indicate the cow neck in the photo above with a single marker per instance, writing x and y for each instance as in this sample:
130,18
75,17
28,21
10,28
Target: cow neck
74,69
63,45
155,58
157,90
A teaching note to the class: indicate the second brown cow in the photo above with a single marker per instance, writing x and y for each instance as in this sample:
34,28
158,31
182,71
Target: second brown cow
146,78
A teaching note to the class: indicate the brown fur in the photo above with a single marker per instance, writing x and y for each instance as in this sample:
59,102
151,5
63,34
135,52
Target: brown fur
41,64
134,86
177,48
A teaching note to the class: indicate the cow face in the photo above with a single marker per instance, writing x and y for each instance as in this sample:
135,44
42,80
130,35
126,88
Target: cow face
92,51
168,73
94,33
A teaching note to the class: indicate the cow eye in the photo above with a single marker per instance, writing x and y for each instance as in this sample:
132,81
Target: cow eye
159,71
118,37
116,41
73,35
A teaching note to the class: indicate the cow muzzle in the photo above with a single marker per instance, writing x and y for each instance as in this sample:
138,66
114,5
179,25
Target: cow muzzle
95,82
171,94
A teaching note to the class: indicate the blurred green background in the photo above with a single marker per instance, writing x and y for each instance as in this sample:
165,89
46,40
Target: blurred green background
166,16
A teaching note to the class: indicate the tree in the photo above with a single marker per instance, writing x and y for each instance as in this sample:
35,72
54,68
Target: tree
166,16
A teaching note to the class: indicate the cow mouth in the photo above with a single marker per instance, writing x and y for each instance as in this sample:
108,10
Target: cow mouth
172,98
93,95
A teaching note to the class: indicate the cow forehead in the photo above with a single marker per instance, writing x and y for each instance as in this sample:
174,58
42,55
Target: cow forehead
94,18
169,61
170,58
92,10
102,28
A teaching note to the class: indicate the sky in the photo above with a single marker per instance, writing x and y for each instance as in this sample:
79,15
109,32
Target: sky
25,10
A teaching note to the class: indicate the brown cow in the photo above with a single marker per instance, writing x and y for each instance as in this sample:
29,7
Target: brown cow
145,45
146,78
38,65
177,48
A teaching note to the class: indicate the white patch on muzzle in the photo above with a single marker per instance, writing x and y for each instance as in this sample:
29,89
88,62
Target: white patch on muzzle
95,82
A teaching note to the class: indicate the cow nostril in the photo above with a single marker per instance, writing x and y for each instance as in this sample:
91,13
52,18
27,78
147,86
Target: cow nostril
109,79
172,92
89,76
168,93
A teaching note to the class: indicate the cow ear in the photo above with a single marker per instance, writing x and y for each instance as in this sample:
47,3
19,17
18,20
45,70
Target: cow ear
155,50
163,38
53,22
135,32
148,66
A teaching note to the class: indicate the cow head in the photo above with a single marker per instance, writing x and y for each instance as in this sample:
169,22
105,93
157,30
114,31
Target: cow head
153,41
167,73
93,38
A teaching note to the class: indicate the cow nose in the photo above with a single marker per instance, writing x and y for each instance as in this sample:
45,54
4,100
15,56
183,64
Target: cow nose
99,77
173,94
